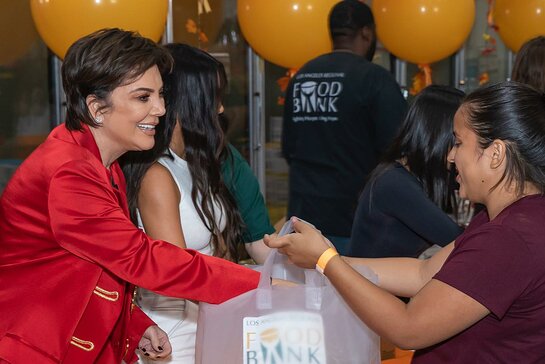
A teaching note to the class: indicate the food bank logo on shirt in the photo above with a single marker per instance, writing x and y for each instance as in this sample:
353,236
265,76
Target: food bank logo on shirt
316,96
291,337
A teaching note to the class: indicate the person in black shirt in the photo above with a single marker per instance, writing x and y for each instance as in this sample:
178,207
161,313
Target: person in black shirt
341,112
402,210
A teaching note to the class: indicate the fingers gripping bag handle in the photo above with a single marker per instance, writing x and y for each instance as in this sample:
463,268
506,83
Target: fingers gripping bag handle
286,270
278,266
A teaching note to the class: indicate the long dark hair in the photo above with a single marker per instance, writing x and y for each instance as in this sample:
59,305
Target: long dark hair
424,141
193,95
515,113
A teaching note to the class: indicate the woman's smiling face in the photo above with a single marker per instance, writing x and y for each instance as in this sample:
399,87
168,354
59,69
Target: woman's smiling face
129,123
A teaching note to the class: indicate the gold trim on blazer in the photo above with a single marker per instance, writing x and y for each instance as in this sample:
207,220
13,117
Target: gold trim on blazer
107,295
133,300
82,344
127,345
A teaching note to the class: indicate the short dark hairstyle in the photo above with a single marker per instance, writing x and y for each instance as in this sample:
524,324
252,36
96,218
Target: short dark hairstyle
514,113
98,63
424,141
529,67
349,16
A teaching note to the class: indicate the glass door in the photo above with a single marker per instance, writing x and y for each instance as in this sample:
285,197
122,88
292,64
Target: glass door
24,87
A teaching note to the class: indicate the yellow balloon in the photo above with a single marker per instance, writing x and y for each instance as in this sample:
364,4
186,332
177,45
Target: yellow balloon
17,32
423,31
61,22
286,32
519,21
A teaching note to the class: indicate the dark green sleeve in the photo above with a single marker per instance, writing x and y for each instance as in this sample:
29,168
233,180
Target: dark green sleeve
243,184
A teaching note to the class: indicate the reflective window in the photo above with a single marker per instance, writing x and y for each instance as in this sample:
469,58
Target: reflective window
24,89
215,29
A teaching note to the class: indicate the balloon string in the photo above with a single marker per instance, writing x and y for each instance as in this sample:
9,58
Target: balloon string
489,13
203,6
490,16
489,44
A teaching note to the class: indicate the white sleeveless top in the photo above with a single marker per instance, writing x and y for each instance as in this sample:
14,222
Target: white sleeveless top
178,317
196,235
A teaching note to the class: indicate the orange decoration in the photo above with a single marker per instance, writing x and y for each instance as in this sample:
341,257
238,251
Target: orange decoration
484,78
191,26
283,83
489,43
202,37
421,79
490,15
285,80
489,40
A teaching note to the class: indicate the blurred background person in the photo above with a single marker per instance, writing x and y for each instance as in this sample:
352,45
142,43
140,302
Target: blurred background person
341,112
404,207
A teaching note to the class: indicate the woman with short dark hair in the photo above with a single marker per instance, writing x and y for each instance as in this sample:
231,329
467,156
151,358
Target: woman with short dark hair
69,253
479,299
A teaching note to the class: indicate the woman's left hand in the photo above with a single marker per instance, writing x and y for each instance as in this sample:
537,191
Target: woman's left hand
154,344
304,247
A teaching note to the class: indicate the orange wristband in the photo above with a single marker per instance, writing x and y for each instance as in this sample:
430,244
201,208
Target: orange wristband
325,258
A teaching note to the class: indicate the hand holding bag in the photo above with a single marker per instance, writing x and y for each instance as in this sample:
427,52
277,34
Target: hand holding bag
305,324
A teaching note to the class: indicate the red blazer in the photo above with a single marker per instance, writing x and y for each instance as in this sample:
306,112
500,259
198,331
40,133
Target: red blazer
68,252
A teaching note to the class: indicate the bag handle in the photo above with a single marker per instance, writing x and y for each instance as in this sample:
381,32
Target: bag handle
313,281
266,271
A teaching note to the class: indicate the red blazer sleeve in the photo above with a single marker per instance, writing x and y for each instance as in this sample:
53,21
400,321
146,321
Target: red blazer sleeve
138,324
87,220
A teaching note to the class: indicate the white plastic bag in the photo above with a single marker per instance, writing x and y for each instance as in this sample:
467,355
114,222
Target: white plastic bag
306,324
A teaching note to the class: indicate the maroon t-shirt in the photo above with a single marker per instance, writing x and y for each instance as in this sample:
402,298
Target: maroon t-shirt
501,264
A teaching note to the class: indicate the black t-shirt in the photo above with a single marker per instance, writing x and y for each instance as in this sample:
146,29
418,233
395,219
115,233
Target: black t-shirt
395,218
340,113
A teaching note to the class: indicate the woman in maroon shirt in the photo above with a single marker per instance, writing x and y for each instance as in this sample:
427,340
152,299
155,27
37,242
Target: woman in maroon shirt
480,299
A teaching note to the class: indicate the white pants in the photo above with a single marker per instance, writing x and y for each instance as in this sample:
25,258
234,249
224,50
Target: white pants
178,318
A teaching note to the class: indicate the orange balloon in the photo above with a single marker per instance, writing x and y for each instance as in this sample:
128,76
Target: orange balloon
17,32
286,32
61,22
519,21
423,31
